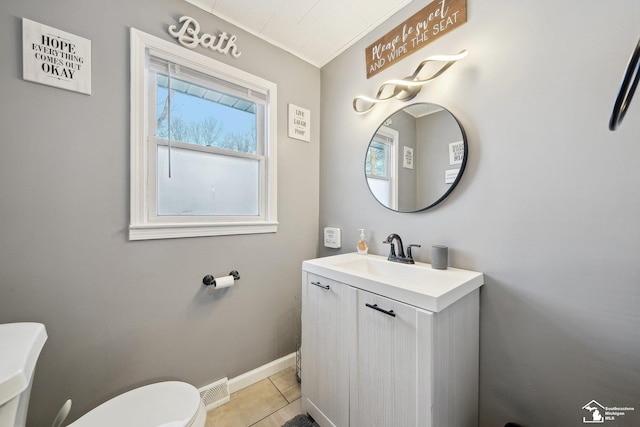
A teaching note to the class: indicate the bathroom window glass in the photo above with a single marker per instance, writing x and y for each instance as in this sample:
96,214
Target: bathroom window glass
378,159
381,166
203,145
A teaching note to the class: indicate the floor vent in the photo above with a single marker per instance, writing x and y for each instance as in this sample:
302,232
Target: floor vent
215,394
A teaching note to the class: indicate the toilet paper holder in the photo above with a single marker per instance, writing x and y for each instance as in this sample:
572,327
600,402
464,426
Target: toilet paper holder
209,280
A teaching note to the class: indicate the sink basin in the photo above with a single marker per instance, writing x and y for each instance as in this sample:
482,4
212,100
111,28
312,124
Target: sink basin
387,271
417,284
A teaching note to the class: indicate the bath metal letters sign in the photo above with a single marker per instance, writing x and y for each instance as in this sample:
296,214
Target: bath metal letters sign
55,58
436,19
188,35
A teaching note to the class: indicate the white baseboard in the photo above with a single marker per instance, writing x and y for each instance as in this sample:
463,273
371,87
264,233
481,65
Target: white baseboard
262,372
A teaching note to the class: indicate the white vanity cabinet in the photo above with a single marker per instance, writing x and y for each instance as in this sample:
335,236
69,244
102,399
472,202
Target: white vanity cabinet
384,377
369,360
326,316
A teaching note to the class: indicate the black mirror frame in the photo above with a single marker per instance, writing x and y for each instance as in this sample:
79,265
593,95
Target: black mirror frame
627,89
453,185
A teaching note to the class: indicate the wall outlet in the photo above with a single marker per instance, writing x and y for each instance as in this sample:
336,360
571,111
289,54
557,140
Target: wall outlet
332,237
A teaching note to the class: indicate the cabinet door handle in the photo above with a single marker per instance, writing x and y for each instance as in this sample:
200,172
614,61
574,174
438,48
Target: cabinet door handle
381,310
320,285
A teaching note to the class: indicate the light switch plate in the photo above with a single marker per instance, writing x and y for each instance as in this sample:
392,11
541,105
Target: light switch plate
332,237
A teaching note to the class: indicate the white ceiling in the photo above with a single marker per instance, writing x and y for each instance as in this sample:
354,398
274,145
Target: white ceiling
315,30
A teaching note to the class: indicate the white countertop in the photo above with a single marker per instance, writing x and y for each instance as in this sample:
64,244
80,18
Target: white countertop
416,284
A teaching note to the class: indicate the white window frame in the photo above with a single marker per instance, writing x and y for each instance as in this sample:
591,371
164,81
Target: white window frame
145,224
393,136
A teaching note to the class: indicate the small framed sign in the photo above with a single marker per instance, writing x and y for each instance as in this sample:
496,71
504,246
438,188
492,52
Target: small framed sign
55,58
299,123
456,153
407,158
450,175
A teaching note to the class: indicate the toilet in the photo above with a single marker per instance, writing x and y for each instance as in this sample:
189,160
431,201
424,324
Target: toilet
163,404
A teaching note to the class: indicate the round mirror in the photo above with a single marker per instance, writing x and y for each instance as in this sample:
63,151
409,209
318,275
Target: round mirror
416,157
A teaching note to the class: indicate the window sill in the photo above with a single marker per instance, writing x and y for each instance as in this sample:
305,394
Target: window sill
175,231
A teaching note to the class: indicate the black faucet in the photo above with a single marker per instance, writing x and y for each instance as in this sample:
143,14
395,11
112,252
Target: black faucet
400,257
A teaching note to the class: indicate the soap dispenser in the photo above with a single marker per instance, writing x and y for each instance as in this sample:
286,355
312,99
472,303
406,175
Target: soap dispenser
362,246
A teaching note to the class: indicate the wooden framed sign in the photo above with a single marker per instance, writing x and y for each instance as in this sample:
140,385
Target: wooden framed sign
436,19
55,58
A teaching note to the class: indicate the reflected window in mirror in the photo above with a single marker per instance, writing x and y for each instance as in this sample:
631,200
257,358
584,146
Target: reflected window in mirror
381,165
429,132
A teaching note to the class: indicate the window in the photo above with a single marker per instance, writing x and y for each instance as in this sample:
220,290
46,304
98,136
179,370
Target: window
381,166
203,145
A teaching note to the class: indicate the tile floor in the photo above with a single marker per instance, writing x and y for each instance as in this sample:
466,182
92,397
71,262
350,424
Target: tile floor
267,403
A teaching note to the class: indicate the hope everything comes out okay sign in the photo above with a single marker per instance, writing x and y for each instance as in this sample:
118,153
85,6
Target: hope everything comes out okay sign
55,58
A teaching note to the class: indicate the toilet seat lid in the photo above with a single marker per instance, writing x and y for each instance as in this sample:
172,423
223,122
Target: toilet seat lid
165,404
19,352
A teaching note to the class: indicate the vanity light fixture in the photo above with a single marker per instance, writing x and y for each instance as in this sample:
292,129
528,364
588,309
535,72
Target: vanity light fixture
407,88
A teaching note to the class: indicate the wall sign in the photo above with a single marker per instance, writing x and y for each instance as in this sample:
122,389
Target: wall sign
456,153
436,19
299,123
55,58
407,158
450,175
188,35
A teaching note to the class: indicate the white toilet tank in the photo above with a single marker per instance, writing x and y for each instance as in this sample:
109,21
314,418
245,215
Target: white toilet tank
20,346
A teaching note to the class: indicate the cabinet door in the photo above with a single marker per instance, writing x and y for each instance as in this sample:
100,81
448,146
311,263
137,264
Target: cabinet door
384,365
327,321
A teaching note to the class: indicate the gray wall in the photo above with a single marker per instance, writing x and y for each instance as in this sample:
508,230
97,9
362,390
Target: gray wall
548,207
121,314
404,123
437,131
